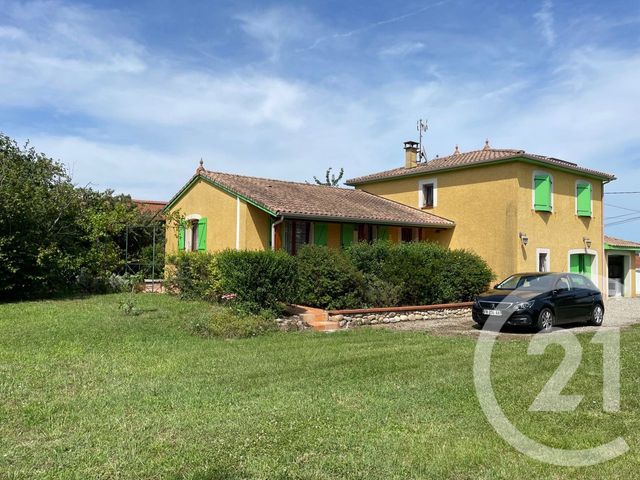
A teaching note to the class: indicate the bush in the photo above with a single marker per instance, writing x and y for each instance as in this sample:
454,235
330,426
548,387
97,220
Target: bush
233,323
328,279
418,273
194,275
261,280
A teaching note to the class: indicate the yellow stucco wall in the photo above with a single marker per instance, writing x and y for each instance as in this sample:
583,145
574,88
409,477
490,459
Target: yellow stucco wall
562,230
220,209
492,204
482,202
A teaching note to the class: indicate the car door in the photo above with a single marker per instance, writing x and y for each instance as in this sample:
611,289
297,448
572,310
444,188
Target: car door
583,295
563,300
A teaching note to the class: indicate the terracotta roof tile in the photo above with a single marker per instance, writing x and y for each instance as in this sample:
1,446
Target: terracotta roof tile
302,200
618,242
461,160
149,206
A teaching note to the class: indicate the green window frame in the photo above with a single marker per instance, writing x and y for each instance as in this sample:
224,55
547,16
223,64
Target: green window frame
202,234
583,199
347,234
181,236
542,184
320,234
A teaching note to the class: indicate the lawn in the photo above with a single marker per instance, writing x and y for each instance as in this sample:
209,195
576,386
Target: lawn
88,392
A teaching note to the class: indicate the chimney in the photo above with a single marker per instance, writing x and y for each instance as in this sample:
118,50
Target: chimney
410,154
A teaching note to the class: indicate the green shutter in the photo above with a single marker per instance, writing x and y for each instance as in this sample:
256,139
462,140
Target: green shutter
383,233
586,266
202,234
574,263
542,185
181,233
320,233
584,199
347,235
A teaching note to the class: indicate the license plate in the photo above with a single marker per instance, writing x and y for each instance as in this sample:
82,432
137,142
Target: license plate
495,313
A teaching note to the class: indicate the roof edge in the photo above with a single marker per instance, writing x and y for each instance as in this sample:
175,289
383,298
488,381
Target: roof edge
519,157
371,221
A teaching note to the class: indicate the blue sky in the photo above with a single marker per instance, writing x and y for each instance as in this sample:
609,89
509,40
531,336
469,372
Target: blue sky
131,94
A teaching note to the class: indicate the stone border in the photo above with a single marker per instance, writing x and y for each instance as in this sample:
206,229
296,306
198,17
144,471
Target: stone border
375,316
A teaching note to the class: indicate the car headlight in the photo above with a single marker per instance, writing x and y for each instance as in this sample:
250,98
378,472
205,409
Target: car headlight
523,305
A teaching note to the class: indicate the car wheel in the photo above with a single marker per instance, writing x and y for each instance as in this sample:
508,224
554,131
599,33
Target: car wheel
545,320
597,315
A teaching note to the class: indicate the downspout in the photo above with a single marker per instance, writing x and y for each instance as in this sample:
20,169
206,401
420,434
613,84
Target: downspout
237,223
273,231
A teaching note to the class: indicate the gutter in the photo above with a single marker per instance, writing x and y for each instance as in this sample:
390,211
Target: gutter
366,220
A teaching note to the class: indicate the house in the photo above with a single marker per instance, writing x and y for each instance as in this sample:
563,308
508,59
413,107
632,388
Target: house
623,259
517,210
234,211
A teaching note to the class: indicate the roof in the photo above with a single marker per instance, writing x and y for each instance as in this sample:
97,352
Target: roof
149,206
620,243
475,158
303,200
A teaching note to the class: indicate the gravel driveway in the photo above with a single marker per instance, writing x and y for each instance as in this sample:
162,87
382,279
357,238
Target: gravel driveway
619,312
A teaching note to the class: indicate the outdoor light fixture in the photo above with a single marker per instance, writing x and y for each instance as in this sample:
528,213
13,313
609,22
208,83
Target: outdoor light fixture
523,238
587,242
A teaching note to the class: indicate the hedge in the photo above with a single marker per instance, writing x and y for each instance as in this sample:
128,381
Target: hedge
363,275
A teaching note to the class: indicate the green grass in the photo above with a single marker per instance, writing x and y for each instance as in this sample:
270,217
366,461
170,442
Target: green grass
87,392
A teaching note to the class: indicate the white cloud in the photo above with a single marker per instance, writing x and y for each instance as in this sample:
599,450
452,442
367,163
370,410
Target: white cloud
544,20
402,49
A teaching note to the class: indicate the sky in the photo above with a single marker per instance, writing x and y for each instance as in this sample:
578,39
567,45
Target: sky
130,95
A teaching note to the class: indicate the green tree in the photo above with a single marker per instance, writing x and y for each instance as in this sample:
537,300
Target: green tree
51,232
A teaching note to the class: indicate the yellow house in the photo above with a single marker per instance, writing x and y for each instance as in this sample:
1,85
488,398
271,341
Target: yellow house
223,211
519,211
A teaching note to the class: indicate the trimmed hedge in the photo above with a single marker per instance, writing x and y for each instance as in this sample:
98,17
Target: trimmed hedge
363,275
328,279
261,280
194,275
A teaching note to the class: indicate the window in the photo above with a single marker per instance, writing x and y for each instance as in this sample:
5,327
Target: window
192,235
583,199
542,192
428,193
543,260
581,263
406,234
296,234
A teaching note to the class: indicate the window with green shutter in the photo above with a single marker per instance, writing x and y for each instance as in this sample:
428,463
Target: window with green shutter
202,235
347,234
181,236
320,233
383,232
583,194
542,193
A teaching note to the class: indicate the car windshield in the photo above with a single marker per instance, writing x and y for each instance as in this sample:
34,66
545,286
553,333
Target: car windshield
537,283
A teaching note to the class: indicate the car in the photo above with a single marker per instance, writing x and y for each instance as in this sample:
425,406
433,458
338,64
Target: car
541,300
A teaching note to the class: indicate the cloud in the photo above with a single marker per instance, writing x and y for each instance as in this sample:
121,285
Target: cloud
544,20
402,49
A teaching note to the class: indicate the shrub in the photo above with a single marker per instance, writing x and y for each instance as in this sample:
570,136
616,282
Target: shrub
194,275
418,273
328,279
261,280
233,323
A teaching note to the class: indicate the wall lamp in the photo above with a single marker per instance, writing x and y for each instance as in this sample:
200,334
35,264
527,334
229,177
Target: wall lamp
587,242
523,238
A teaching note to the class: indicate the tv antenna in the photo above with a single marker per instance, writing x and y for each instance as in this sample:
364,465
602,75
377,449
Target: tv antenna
422,128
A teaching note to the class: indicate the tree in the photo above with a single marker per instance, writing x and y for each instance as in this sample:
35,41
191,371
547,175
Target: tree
330,180
53,233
